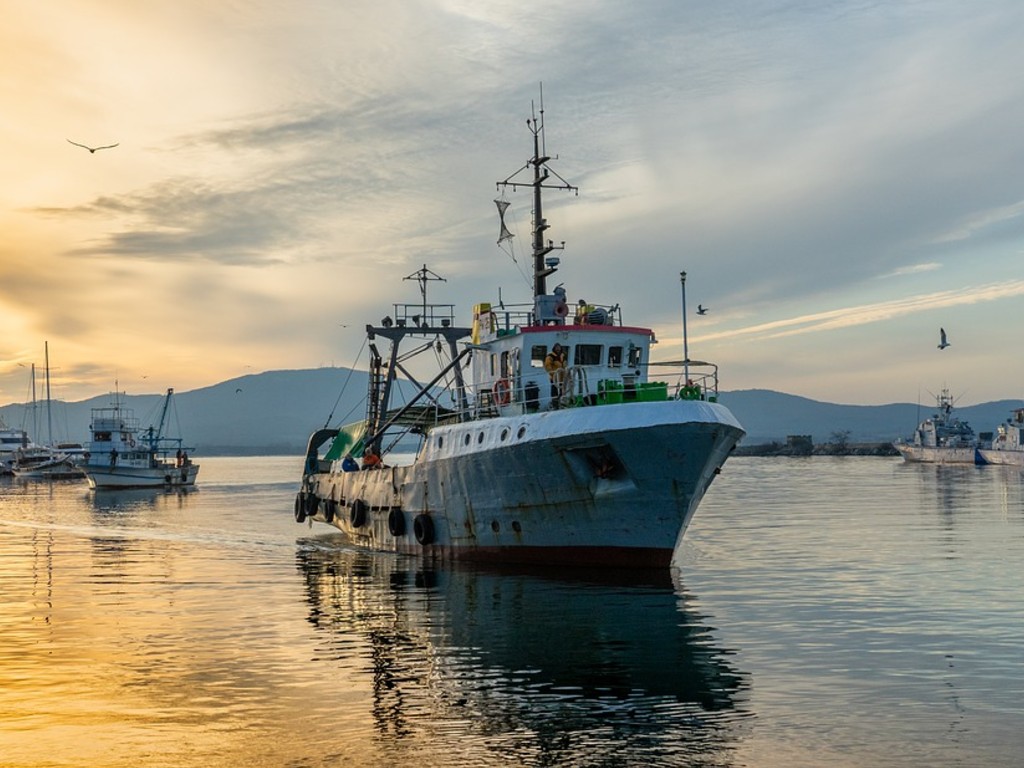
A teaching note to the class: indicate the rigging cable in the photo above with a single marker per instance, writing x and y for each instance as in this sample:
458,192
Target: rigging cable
351,370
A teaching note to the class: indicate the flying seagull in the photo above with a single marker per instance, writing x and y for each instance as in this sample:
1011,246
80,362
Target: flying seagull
92,150
942,339
701,309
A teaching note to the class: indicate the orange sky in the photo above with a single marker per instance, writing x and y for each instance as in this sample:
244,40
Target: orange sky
837,185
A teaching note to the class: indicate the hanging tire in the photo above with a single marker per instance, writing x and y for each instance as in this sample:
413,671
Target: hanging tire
396,522
423,529
330,509
312,504
300,508
357,514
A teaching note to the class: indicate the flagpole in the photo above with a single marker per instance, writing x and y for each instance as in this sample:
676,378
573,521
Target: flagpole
686,349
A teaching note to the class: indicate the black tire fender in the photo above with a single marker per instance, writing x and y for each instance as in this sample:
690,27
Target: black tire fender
423,529
357,514
396,522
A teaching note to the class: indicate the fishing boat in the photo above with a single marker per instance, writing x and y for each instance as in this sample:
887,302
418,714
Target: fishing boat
558,447
942,438
1007,445
123,455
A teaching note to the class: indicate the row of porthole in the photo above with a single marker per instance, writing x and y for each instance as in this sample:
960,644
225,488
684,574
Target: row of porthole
308,504
496,526
502,436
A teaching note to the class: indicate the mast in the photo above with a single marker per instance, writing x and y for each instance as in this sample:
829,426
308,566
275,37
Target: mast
163,413
49,417
543,267
686,350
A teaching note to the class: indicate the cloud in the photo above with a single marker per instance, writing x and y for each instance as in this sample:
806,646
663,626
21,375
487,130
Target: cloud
870,313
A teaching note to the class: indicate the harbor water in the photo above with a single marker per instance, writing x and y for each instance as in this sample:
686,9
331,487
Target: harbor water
822,611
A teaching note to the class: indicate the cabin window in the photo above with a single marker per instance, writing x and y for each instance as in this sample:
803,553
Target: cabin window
506,367
587,354
537,354
614,357
636,355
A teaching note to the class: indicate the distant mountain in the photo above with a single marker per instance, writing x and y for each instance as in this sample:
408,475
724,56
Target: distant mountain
265,413
275,412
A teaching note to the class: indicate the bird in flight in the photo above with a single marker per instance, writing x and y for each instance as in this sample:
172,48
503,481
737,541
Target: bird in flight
701,309
92,150
942,339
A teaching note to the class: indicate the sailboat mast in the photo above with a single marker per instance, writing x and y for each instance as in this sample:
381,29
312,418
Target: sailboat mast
49,417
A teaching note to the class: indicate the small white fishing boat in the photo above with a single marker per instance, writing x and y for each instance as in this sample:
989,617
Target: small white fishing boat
122,455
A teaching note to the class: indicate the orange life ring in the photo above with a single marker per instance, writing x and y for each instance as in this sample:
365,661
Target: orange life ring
502,392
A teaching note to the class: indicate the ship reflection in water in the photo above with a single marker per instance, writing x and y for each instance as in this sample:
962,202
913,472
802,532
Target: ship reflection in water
535,667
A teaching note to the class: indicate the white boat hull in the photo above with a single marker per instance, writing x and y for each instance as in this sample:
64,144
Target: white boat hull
1014,458
168,476
921,454
608,485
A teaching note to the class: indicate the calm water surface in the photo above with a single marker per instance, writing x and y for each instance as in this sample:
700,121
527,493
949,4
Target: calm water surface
848,612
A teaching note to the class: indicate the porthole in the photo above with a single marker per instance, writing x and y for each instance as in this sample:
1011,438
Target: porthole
467,439
516,526
504,434
521,433
480,439
440,441
495,526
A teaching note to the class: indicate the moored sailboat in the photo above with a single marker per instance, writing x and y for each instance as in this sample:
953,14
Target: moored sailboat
558,448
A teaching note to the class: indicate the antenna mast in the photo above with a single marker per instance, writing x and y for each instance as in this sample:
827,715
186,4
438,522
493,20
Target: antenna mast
542,267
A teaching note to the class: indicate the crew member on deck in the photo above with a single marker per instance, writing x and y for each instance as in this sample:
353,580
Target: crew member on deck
557,370
371,460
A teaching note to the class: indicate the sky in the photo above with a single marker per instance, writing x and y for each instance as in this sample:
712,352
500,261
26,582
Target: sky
837,179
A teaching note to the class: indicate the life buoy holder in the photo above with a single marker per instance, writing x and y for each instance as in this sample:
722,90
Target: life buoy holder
357,514
423,529
502,392
396,522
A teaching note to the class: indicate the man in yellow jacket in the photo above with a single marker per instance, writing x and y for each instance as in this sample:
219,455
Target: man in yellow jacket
558,371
